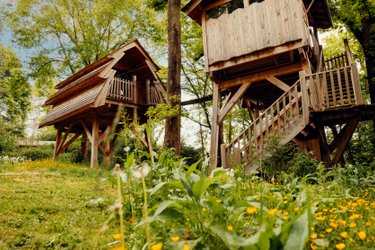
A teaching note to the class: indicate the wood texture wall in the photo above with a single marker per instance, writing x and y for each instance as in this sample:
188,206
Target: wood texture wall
258,26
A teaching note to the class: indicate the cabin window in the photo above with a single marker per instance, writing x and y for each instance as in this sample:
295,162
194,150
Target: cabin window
228,7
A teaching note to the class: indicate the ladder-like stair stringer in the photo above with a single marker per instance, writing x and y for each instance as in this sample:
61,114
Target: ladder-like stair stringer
290,113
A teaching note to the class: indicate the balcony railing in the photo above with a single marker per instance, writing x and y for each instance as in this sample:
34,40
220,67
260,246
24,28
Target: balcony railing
122,89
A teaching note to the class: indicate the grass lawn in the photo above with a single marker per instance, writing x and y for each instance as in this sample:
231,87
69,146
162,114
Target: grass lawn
50,205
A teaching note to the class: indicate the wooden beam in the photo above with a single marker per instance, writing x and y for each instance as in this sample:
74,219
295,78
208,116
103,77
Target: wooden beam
255,56
215,127
87,131
278,83
343,140
232,101
261,76
58,141
63,147
94,143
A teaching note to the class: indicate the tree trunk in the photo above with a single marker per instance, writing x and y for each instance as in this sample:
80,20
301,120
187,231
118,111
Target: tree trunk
173,124
367,41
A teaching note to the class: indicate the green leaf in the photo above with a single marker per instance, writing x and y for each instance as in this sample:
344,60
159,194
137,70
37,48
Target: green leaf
129,161
156,188
162,207
299,233
201,186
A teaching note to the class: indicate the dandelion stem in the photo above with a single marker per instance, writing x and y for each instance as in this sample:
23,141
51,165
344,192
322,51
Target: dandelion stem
146,213
120,211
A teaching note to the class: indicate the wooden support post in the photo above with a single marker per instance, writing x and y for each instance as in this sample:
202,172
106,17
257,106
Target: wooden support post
58,142
343,140
136,98
305,98
215,127
94,143
232,101
148,92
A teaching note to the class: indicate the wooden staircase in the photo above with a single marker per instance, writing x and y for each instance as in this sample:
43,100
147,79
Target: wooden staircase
335,87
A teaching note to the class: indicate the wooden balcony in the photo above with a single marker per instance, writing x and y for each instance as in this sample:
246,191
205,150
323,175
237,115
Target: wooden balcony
131,91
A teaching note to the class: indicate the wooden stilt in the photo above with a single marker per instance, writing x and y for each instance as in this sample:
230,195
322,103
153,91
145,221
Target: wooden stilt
215,127
58,141
94,143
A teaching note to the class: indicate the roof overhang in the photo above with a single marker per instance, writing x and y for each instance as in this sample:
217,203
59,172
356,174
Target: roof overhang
319,11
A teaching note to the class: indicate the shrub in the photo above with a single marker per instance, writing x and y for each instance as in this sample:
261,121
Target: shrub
32,153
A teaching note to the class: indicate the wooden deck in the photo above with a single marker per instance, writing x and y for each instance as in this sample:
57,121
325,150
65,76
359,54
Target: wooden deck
325,96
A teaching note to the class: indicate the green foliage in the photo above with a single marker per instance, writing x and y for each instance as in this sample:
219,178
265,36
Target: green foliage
277,158
14,93
67,35
33,153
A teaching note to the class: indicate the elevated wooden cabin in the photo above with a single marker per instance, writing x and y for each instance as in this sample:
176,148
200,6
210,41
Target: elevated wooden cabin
86,103
266,55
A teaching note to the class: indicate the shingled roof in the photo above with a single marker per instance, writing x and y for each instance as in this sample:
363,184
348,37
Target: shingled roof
88,88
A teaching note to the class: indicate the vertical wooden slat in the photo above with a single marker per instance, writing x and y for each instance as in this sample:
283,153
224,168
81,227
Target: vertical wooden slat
340,86
348,87
332,88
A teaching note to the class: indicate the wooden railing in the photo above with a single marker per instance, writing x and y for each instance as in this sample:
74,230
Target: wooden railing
290,114
336,62
282,116
333,88
122,89
153,95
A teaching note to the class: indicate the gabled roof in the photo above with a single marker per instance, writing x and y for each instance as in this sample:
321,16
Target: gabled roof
87,88
319,10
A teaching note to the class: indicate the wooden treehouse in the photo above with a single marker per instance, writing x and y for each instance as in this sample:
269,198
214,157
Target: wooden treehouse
266,55
87,102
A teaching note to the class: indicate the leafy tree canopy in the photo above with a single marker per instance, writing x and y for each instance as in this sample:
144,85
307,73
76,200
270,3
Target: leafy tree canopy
14,92
67,35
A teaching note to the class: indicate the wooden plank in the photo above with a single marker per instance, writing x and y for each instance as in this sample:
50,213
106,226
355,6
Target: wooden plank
338,72
232,101
278,83
63,147
332,89
347,84
261,76
356,86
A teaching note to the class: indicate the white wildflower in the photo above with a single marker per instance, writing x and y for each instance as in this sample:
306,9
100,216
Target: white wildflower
115,207
97,201
141,170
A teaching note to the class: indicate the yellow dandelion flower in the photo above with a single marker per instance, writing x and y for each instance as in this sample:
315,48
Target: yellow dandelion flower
333,224
329,230
118,248
354,217
296,209
230,228
352,225
186,246
321,235
218,201
157,246
251,210
362,235
285,217
344,234
342,222
321,218
272,211
314,236
340,246
286,213
313,246
117,236
175,238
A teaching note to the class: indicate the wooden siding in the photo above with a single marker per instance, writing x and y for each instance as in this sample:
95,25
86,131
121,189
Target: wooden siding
258,26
